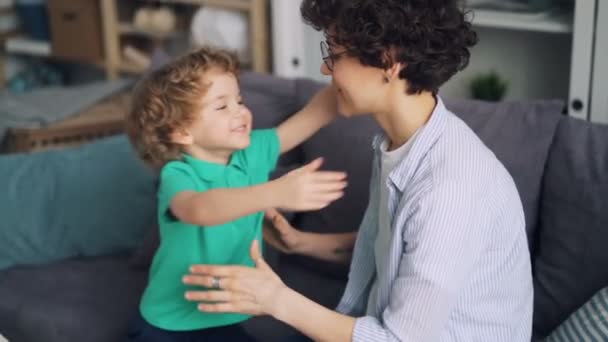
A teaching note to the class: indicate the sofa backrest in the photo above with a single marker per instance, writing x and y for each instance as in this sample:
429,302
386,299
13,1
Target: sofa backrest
572,261
271,100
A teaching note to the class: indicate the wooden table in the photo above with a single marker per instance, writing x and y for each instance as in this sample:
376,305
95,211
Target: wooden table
101,120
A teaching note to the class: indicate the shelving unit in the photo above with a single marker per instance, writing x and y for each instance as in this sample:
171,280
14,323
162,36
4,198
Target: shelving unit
6,32
27,46
114,29
543,22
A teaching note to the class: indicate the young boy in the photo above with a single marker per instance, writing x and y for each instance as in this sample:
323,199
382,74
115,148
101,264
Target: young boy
188,119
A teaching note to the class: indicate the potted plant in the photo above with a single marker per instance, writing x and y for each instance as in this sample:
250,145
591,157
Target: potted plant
489,87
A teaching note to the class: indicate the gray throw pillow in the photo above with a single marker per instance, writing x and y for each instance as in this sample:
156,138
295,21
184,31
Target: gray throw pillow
572,259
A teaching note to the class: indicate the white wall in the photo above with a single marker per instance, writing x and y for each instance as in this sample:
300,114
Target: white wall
599,97
536,65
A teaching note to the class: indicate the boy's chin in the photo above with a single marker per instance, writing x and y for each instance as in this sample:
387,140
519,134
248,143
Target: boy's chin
243,145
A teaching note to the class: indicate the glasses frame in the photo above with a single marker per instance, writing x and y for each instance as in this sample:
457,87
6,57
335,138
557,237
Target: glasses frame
329,58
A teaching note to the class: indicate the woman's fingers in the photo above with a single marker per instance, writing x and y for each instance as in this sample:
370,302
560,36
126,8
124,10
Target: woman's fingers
225,283
240,307
280,223
218,296
270,236
256,255
271,214
218,271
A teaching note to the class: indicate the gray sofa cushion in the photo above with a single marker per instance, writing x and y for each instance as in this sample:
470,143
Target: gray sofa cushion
519,133
88,299
572,262
94,299
271,101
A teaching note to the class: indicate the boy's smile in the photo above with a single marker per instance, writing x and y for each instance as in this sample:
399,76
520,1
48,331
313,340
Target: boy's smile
223,123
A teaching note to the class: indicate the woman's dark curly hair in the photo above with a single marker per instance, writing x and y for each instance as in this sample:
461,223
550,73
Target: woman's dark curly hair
431,37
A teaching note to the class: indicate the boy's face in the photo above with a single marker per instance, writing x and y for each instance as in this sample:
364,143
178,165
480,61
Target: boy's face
223,124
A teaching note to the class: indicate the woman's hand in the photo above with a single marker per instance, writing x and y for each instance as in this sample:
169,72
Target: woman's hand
280,234
238,289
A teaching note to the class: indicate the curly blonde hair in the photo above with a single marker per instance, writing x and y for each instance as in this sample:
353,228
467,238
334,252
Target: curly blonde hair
167,99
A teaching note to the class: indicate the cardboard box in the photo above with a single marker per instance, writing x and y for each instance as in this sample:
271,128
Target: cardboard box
76,32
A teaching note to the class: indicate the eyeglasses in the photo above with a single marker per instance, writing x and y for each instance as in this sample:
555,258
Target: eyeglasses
329,58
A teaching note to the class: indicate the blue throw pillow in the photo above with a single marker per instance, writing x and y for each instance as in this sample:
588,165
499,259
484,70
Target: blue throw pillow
92,200
588,323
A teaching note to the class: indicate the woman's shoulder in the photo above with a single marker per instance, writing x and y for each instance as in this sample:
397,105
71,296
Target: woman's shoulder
459,154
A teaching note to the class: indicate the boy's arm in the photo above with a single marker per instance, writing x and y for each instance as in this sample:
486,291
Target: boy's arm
218,206
320,111
305,188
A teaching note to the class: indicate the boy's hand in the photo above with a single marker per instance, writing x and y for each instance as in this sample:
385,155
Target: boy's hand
307,188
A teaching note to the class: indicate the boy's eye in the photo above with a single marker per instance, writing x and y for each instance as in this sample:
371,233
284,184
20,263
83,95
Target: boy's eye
222,107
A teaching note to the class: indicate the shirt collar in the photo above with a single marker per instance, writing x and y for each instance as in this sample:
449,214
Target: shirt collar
426,138
211,171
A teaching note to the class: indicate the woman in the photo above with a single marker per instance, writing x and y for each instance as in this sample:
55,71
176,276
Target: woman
441,253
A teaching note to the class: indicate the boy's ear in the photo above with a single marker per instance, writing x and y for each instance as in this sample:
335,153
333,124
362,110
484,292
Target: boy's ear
181,137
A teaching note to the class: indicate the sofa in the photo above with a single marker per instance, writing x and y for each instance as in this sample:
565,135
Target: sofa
87,287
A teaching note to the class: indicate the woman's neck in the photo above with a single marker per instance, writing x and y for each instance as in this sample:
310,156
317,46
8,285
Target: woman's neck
404,114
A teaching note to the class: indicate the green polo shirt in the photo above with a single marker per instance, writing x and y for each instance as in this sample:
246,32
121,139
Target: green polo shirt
182,245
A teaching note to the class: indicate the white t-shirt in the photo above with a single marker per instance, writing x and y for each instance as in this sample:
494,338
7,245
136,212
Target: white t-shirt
388,161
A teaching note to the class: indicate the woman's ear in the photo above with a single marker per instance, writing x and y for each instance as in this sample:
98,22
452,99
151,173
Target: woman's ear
181,137
392,73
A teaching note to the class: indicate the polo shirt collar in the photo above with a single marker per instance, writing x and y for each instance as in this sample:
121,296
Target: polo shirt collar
211,171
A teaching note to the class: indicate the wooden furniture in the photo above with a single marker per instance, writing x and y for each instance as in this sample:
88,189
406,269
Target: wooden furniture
76,30
101,120
5,11
114,29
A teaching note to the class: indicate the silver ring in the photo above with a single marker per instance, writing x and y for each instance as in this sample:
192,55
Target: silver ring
215,283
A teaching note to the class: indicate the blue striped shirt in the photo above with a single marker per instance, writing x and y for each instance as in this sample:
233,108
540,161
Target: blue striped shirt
458,267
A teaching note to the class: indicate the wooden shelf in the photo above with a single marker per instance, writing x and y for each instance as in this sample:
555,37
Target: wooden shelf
541,22
6,10
27,46
241,5
130,29
131,68
113,29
